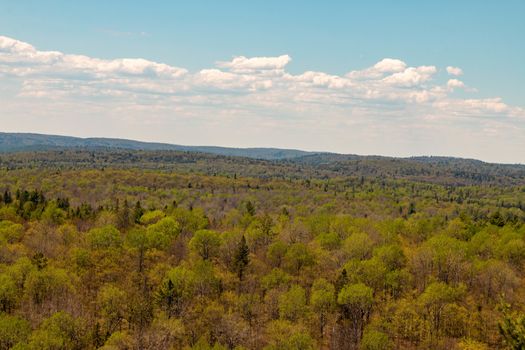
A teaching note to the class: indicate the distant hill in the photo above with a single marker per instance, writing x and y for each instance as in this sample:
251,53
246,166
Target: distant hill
16,142
445,170
21,150
453,172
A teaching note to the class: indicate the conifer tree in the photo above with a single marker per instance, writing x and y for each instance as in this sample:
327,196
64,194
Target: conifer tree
138,212
241,258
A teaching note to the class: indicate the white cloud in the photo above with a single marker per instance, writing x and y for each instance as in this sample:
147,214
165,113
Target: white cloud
241,63
389,65
75,92
411,76
20,58
216,76
455,84
320,79
378,70
454,71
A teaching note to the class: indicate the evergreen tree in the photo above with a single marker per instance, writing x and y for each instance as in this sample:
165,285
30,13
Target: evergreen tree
63,203
342,280
241,258
512,328
138,212
165,297
124,215
7,197
411,208
250,208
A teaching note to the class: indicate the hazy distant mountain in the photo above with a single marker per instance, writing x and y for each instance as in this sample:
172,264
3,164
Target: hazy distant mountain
344,164
13,142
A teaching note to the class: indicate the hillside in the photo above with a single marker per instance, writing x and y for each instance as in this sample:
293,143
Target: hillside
18,149
122,249
450,171
16,142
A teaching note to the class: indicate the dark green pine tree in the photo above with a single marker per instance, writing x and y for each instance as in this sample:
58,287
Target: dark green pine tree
241,258
165,297
138,212
411,208
124,215
250,208
341,281
7,197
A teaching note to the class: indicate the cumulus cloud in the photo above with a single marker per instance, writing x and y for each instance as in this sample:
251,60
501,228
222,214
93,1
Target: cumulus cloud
411,76
241,63
455,84
378,70
241,93
20,58
454,71
320,79
390,65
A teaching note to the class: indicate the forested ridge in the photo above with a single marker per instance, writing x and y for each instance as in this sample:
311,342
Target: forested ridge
11,142
440,170
121,249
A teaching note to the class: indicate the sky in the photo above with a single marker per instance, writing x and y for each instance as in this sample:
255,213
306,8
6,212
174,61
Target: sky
403,78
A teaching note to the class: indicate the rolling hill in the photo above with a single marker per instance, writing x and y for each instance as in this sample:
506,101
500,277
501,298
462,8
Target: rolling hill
16,142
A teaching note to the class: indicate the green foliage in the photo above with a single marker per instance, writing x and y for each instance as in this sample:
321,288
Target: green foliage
358,246
322,297
259,230
329,240
250,208
8,293
469,344
375,340
53,214
10,231
448,255
276,252
275,278
392,256
438,293
13,330
292,304
357,297
344,254
205,243
112,303
512,328
167,227
176,290
151,217
283,335
202,344
298,256
119,340
190,220
104,238
435,301
241,259
207,283
322,300
60,331
49,284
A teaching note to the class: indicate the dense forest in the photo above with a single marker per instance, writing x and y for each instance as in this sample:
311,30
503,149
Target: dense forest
121,249
11,142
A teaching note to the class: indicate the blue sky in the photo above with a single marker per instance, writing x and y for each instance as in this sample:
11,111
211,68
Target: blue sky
479,114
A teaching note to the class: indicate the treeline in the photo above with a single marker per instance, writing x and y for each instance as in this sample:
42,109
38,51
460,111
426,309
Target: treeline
147,259
444,171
